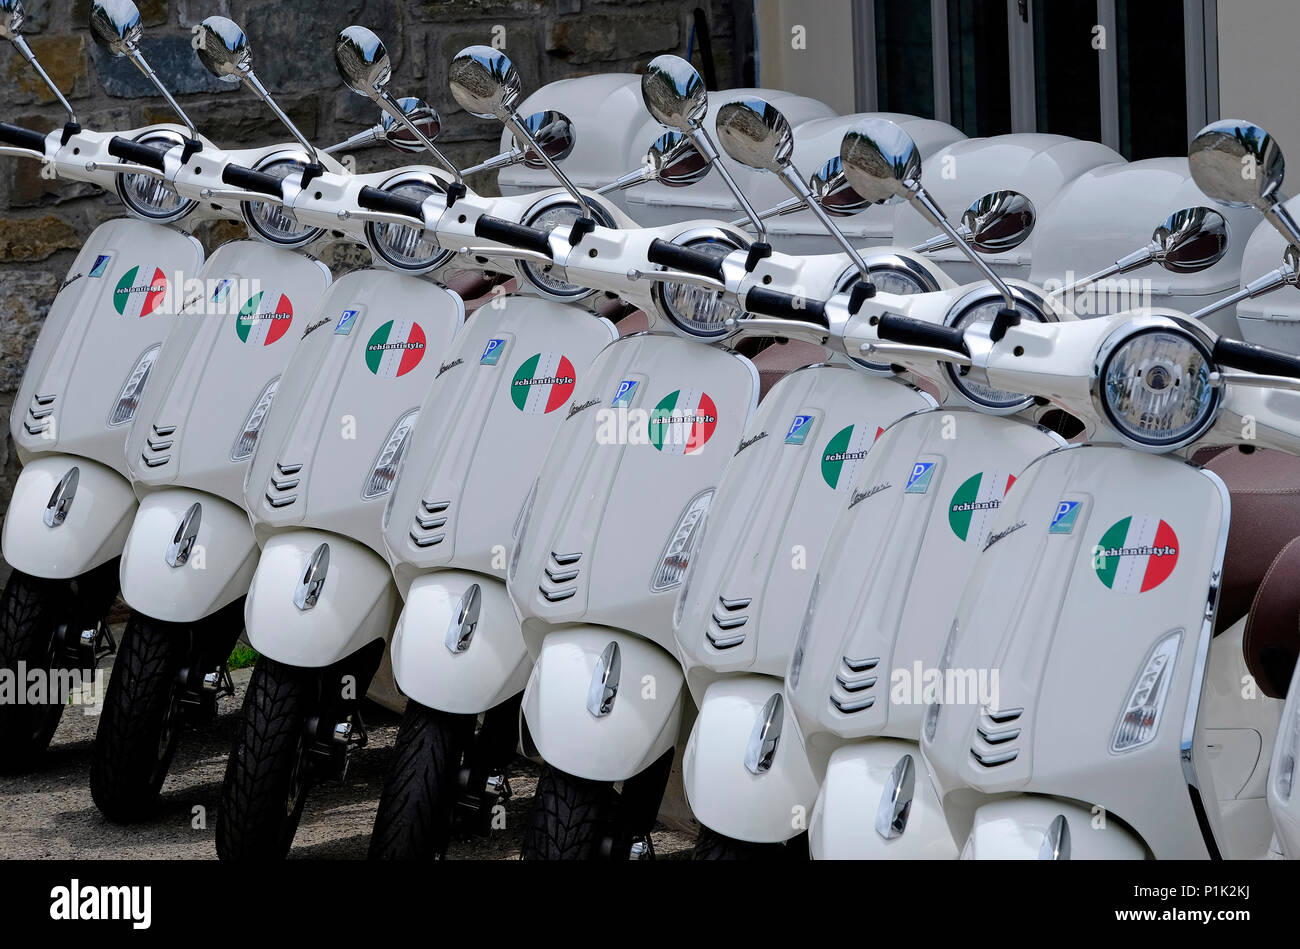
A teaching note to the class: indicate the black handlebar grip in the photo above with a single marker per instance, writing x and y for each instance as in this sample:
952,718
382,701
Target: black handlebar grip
246,179
1252,358
137,152
904,329
20,137
689,259
786,306
372,199
515,235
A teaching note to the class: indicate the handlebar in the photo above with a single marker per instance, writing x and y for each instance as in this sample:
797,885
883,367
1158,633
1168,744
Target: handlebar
904,329
787,306
688,259
515,235
372,199
21,138
246,179
1257,359
137,152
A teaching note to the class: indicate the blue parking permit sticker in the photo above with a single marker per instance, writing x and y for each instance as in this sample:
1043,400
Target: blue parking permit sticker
1067,512
799,429
101,265
492,353
344,325
626,389
222,291
919,481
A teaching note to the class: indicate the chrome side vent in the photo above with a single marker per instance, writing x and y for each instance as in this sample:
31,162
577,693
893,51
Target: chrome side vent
40,414
855,683
158,445
428,525
561,580
280,489
729,618
997,733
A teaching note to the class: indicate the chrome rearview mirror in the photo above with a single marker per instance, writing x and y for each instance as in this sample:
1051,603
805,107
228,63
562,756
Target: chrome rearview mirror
554,135
672,160
393,133
883,165
12,17
674,94
224,51
994,224
363,62
116,26
486,84
1239,164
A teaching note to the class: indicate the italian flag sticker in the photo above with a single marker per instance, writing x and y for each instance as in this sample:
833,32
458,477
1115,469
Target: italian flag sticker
1136,554
264,317
138,294
844,451
542,383
975,504
683,422
395,348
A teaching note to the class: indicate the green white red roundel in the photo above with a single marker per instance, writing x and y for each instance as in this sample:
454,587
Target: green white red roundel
140,291
264,317
843,452
683,422
395,348
542,383
975,504
1136,554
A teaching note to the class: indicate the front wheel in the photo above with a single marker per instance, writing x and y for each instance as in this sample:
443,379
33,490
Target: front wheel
29,607
568,817
269,772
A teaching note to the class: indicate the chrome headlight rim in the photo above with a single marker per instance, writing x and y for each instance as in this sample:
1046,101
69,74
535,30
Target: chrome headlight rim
549,203
1127,332
694,237
181,210
893,263
290,156
1029,298
376,246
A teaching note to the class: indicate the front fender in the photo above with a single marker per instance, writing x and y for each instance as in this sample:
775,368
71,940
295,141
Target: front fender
97,518
219,566
641,723
355,605
725,795
1018,828
456,648
859,784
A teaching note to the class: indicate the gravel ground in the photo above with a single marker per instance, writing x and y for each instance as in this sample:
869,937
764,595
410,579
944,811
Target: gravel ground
49,814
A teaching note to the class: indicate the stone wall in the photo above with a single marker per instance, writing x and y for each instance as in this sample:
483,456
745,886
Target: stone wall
42,223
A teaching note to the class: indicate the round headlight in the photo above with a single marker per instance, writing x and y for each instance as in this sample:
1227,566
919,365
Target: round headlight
149,197
1154,387
890,274
698,312
557,210
408,249
982,306
270,220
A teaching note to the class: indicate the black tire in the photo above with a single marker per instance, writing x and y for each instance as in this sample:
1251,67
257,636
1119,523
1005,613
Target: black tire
710,845
568,817
269,772
29,607
140,725
420,791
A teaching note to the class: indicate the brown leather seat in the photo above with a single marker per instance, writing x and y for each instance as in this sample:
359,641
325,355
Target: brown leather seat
782,358
476,287
1272,639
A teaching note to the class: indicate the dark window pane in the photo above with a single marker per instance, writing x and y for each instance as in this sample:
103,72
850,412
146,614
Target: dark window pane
904,58
979,77
1152,78
1067,91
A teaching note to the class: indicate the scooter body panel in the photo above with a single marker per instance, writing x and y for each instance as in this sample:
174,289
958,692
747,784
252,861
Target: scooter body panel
103,330
503,389
1108,552
215,368
768,804
344,407
1021,828
163,580
922,508
1283,795
97,517
457,646
796,470
642,719
657,422
867,784
355,605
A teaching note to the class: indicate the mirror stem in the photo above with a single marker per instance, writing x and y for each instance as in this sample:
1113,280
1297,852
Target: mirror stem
630,180
1261,285
704,145
391,106
259,90
1281,219
523,135
505,159
1139,258
922,201
25,51
788,206
793,181
360,140
942,241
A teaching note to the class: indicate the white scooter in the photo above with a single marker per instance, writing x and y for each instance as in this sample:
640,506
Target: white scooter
72,505
1117,549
